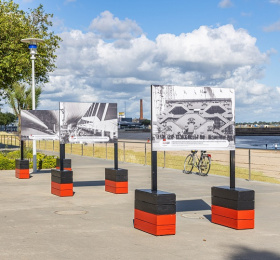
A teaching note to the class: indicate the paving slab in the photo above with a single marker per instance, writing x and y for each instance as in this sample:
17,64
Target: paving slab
94,224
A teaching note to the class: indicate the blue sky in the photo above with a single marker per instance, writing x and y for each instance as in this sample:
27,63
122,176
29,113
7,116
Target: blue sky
113,50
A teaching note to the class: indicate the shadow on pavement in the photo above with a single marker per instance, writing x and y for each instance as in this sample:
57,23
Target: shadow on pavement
208,217
191,205
248,253
42,171
88,183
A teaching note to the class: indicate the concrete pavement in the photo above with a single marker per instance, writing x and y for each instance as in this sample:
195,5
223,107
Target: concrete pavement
94,224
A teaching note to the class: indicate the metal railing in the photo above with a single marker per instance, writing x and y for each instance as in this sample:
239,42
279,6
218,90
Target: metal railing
251,164
9,141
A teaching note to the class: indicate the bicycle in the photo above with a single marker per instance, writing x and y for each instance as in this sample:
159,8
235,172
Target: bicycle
202,163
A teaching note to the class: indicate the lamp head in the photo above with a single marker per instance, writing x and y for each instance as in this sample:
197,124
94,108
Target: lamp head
32,44
32,41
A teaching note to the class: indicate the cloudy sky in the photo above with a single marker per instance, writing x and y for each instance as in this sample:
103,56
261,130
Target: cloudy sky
113,50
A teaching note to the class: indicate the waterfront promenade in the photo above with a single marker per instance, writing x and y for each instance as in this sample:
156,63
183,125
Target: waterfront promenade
94,224
252,163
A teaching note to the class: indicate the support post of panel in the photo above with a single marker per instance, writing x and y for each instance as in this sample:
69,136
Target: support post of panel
62,156
154,171
232,169
21,149
116,163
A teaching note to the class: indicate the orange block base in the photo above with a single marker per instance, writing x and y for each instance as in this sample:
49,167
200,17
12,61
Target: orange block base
66,186
237,219
62,193
22,173
155,219
116,190
65,169
117,187
157,230
233,223
232,213
158,225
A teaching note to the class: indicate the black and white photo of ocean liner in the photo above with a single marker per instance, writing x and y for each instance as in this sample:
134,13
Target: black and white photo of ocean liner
39,125
88,122
192,118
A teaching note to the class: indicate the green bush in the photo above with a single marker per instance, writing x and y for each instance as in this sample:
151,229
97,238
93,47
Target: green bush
45,161
7,160
13,155
16,154
6,163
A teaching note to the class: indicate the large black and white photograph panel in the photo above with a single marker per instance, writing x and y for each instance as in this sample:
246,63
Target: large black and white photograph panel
192,118
39,125
88,122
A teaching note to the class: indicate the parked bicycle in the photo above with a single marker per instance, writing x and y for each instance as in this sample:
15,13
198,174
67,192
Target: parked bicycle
202,163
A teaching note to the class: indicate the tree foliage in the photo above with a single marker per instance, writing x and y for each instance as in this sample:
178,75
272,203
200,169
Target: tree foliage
7,118
146,122
15,63
20,97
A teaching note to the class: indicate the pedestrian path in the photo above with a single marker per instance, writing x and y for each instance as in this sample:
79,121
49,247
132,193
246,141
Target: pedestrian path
94,224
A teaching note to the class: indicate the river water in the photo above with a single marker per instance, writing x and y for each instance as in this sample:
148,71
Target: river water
257,142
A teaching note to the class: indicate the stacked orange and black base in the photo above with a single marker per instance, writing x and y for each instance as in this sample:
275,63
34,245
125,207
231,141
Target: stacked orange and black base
62,183
22,169
234,208
116,180
155,212
66,164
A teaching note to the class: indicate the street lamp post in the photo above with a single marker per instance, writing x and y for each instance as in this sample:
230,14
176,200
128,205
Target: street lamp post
33,51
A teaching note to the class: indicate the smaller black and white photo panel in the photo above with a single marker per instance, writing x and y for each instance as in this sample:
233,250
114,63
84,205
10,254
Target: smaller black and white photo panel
88,122
192,118
39,125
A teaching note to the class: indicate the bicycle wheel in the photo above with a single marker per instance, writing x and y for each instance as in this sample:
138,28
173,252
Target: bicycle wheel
204,166
188,164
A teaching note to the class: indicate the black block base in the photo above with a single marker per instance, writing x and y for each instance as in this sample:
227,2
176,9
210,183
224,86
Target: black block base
117,175
234,194
237,198
61,177
234,207
66,164
155,212
22,169
22,164
155,202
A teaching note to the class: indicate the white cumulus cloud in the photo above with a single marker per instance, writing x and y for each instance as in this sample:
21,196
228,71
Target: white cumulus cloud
272,27
275,2
110,27
225,4
89,68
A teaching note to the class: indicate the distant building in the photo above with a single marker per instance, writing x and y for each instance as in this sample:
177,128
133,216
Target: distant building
13,127
126,119
126,123
141,110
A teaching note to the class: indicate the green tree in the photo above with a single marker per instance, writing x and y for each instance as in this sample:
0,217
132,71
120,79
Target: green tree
20,97
15,64
146,122
6,119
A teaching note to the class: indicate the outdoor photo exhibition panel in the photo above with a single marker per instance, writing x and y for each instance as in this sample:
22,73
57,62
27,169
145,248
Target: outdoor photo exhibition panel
39,125
192,118
88,122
